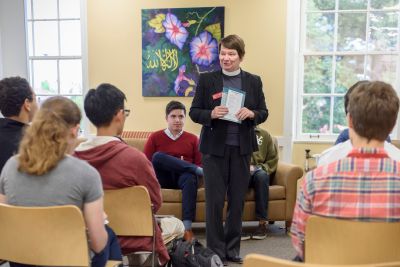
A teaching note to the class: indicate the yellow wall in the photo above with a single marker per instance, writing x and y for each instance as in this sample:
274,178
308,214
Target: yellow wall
298,152
114,46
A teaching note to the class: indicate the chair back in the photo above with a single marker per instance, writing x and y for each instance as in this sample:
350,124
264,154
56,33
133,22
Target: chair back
44,236
129,211
257,260
338,241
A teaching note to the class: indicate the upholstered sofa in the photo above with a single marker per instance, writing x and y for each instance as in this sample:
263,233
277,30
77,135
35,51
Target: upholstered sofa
282,192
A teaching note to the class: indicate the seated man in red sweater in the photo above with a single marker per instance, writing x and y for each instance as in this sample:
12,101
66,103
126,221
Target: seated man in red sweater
176,160
119,164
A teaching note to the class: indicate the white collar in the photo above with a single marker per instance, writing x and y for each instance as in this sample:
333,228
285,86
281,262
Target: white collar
231,73
170,135
95,141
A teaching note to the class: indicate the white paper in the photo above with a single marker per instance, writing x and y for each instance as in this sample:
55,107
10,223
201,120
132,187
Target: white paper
234,102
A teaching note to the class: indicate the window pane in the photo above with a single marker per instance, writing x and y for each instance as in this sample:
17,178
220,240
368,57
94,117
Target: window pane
41,98
352,4
382,67
339,117
44,9
383,31
384,4
46,38
317,74
316,113
45,77
320,30
70,77
70,9
70,38
351,31
30,40
28,9
320,4
349,69
78,99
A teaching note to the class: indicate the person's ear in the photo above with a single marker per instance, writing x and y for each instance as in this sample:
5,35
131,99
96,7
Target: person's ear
27,105
349,120
119,116
75,131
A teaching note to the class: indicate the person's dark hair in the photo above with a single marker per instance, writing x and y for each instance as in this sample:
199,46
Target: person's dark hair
347,95
373,108
174,105
13,93
102,103
233,41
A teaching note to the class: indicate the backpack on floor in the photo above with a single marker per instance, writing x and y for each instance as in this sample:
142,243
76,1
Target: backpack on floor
192,254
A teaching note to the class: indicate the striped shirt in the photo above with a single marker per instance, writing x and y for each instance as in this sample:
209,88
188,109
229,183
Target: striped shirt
363,186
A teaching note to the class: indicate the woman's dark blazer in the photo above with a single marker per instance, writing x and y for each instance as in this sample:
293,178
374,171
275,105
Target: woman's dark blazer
213,132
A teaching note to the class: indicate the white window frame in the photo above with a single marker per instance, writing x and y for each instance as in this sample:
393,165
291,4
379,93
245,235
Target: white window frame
84,56
294,80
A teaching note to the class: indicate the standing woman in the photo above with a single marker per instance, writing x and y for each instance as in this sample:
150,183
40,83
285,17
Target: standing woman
227,146
43,174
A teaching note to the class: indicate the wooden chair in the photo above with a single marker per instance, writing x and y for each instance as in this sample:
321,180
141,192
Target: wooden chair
44,236
130,213
256,260
338,241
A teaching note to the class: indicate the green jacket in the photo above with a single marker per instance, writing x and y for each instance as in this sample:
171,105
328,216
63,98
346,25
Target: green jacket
267,155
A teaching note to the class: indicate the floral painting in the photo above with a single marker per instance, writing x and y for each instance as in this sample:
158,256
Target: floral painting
177,45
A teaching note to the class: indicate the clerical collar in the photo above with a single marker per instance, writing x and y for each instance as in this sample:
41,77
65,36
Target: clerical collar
231,73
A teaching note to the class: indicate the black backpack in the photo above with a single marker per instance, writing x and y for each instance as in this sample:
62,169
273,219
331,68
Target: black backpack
192,254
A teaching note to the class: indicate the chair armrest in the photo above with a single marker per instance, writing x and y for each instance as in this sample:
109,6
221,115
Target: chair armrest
287,175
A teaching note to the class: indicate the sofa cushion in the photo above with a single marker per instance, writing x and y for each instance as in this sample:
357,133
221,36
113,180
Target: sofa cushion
276,192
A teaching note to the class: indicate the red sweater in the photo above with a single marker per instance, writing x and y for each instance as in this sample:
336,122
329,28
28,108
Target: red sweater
123,166
186,147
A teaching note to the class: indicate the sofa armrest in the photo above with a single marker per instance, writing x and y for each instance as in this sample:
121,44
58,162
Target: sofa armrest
287,176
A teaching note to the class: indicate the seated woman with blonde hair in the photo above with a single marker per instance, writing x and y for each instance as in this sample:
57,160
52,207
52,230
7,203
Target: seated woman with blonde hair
43,174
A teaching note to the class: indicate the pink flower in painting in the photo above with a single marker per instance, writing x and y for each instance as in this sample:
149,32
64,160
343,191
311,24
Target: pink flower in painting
174,31
204,49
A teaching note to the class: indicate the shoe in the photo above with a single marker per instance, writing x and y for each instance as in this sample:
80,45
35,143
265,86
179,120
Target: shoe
245,236
188,235
235,259
260,233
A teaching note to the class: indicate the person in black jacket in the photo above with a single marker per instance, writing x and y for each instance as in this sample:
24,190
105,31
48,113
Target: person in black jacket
18,105
226,145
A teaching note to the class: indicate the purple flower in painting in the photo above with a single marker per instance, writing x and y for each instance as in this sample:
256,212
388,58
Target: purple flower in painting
204,49
184,86
174,31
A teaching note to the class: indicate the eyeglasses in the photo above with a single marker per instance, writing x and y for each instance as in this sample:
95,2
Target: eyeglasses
126,112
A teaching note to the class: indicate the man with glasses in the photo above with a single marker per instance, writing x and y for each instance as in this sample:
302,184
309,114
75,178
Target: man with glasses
119,164
176,160
18,105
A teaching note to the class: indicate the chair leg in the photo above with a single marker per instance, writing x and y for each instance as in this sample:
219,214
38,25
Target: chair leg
287,225
153,254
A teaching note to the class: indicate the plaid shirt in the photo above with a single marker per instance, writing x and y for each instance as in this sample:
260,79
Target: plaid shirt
363,186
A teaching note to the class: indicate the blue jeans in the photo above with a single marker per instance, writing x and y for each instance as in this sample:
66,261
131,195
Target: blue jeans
173,173
111,251
260,181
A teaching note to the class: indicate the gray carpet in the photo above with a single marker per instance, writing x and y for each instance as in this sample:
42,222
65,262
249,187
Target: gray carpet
277,244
